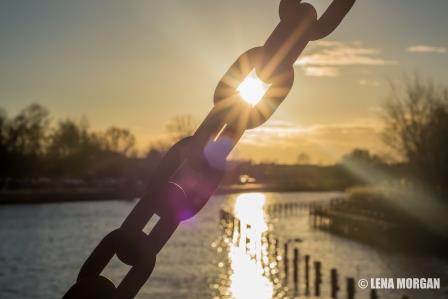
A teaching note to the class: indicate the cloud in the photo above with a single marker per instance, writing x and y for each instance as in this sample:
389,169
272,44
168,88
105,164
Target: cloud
322,71
327,57
426,49
274,129
282,141
367,82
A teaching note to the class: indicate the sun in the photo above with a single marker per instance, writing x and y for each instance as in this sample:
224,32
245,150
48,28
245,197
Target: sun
252,89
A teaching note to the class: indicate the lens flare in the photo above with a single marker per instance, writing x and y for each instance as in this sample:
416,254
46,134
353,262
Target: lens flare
252,89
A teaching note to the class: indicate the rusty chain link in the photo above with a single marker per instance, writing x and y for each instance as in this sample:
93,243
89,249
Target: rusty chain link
191,170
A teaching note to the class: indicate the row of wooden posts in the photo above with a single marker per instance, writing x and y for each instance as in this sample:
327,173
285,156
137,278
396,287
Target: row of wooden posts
294,275
289,208
317,277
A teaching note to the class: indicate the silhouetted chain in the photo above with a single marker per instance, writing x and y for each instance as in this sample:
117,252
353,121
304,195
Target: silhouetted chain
192,169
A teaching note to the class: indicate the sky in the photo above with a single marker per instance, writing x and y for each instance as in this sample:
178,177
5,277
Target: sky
137,64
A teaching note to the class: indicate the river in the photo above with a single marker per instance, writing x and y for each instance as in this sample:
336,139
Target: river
42,247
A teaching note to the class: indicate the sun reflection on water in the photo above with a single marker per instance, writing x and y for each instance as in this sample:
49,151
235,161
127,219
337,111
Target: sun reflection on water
248,251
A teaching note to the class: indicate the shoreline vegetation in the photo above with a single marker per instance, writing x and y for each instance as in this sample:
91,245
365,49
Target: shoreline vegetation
244,178
29,196
387,218
46,161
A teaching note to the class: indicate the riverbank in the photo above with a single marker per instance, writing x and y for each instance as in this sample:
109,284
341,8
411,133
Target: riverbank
385,220
28,196
36,196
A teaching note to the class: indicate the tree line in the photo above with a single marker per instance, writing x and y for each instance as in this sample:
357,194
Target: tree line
31,145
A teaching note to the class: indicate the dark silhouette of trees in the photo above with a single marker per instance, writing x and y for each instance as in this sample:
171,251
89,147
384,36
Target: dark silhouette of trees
27,131
72,149
30,147
181,126
303,159
24,139
34,148
116,149
3,143
361,158
119,140
416,118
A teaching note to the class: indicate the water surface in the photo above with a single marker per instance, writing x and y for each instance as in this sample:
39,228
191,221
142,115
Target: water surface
43,246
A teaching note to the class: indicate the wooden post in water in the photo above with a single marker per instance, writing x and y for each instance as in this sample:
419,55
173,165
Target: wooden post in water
285,262
317,278
276,249
350,288
232,228
296,271
373,294
267,238
239,232
307,275
247,241
334,283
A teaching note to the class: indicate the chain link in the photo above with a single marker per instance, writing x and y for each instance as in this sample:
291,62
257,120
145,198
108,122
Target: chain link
191,170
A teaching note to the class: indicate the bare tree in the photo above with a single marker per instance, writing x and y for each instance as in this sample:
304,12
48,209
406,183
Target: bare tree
303,159
27,132
181,126
416,118
3,144
119,140
3,128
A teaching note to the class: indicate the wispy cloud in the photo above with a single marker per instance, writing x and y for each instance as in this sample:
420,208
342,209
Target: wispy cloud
327,57
322,71
427,49
368,82
274,129
282,141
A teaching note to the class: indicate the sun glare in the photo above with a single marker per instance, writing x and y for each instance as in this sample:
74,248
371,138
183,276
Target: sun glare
252,89
249,258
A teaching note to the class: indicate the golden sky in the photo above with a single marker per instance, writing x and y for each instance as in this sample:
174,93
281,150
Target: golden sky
137,64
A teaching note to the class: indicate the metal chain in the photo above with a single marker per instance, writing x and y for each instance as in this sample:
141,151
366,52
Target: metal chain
191,170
